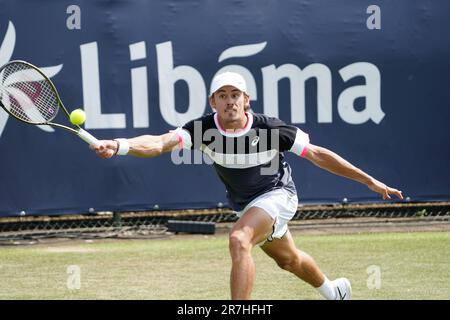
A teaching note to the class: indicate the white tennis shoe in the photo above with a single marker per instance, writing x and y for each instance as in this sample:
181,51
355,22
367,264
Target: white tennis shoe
342,288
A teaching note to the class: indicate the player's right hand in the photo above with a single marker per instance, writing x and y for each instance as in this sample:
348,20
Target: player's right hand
107,148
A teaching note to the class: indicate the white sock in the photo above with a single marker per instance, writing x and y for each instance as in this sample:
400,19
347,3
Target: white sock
327,290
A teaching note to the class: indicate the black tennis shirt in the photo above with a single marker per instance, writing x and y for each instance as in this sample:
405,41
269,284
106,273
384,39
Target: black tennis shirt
250,162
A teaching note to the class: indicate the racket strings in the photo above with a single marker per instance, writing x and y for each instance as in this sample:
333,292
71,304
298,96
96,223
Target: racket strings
27,94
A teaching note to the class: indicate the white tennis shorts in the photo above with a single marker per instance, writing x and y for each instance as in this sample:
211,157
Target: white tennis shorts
279,205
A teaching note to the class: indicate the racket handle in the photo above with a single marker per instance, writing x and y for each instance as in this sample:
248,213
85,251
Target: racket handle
89,138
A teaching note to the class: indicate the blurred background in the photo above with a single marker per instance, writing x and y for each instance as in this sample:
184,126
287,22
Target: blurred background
365,80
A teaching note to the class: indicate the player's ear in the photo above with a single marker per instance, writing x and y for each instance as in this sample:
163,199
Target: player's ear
212,102
246,101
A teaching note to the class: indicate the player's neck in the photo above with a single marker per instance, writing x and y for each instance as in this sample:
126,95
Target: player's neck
232,126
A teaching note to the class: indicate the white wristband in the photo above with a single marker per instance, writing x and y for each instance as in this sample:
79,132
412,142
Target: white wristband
123,147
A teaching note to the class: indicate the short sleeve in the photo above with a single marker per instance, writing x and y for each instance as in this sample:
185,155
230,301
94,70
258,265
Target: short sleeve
184,138
190,136
301,142
291,138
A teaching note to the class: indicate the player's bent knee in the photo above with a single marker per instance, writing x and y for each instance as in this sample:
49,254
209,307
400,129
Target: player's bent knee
289,263
239,241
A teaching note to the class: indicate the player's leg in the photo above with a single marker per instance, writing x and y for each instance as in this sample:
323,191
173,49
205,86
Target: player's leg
254,226
289,258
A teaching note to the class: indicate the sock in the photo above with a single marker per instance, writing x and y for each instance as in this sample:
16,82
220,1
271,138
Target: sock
327,290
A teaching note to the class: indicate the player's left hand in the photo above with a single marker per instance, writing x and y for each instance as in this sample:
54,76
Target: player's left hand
384,190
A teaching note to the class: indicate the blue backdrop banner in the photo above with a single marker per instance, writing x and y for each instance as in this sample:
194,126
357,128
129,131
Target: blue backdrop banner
366,79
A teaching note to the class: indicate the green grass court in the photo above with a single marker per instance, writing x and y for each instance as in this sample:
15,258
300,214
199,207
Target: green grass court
412,265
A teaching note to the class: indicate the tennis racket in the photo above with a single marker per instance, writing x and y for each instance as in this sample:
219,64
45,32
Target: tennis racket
28,95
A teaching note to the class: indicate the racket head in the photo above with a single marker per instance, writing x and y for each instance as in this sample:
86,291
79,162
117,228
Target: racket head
27,94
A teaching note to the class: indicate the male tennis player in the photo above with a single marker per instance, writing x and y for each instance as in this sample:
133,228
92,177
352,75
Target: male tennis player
257,178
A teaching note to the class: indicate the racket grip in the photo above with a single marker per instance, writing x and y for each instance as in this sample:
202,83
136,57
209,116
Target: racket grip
89,138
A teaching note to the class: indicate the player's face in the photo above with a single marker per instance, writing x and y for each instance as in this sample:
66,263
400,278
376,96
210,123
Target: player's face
230,104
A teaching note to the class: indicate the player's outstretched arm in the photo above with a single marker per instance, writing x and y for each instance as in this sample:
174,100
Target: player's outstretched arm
142,146
332,162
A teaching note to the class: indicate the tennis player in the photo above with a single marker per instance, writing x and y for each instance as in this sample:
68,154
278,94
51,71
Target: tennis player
258,180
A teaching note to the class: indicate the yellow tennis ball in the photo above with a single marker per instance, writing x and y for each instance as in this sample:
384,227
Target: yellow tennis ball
77,117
